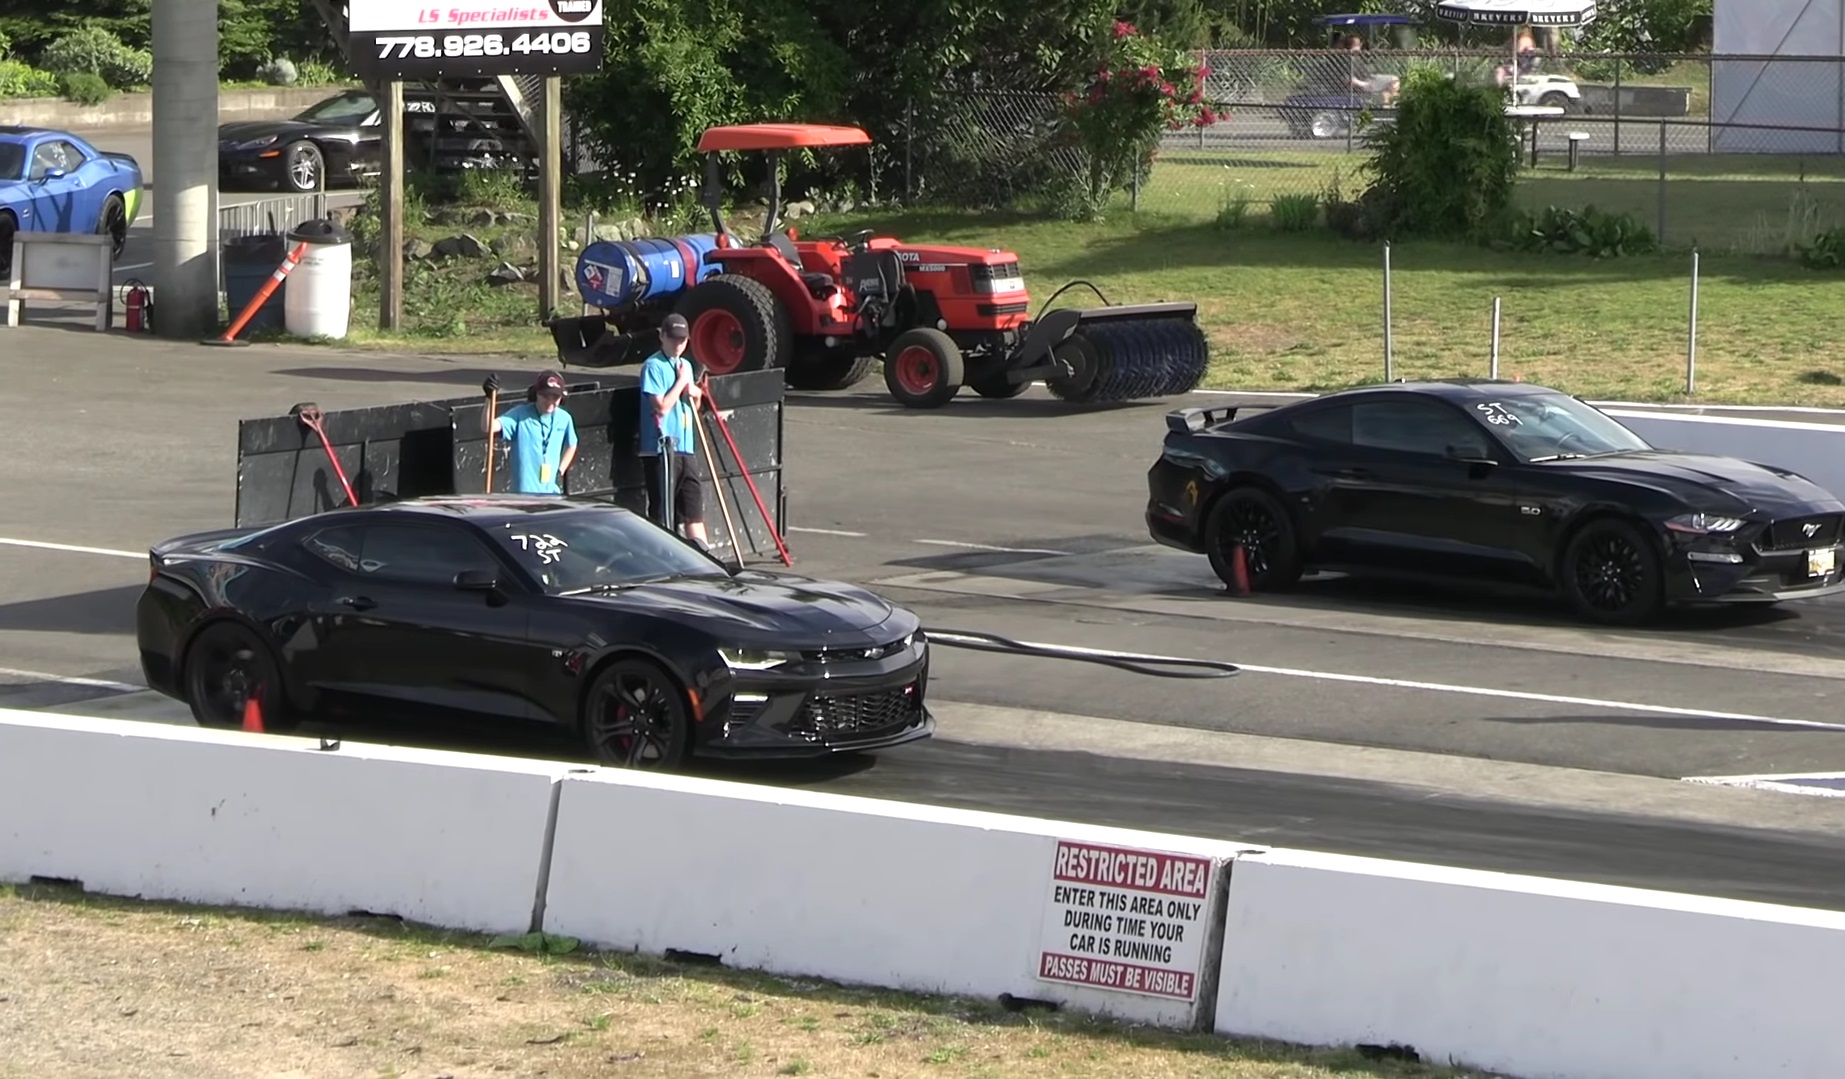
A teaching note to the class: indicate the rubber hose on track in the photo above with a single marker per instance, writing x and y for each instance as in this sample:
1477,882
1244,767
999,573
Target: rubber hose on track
1141,358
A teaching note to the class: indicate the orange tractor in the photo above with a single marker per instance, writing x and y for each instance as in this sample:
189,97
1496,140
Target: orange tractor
827,310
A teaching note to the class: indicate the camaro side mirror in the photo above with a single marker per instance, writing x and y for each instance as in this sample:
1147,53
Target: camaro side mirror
476,580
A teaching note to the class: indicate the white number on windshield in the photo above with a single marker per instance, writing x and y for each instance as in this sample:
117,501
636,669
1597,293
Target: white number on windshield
547,547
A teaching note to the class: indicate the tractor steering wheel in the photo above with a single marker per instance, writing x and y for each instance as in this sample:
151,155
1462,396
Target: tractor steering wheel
857,241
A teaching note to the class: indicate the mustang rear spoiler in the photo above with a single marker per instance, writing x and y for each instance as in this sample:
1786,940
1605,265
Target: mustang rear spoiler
1190,421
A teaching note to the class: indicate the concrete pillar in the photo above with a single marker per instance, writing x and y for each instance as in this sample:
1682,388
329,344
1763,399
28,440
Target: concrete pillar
185,168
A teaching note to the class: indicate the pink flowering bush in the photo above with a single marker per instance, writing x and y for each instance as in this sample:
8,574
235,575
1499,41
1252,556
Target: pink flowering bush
1140,89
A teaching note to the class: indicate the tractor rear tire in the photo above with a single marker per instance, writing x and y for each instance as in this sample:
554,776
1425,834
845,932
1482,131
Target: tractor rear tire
737,325
996,388
923,368
829,372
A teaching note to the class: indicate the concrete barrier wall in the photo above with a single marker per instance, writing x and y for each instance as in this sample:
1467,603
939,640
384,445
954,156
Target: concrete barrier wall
881,893
180,813
1521,975
1527,976
1815,450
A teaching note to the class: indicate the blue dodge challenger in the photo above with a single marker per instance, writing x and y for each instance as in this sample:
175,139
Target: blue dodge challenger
54,181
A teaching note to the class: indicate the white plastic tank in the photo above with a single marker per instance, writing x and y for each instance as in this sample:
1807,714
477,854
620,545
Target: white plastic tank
319,298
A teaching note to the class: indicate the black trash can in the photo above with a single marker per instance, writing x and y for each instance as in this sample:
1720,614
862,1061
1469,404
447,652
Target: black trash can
248,263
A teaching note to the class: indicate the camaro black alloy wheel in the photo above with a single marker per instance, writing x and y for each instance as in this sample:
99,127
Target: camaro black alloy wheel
636,717
1613,575
225,666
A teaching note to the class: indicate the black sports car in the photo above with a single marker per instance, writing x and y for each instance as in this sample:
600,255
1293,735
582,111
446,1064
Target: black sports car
1493,483
340,140
582,615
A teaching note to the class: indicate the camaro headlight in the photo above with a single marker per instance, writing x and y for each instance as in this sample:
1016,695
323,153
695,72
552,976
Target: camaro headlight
1704,524
756,659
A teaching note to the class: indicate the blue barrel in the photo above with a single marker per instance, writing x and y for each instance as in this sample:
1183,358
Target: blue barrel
618,273
247,263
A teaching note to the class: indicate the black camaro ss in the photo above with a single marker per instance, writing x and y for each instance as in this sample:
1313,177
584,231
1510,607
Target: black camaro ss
577,614
1494,483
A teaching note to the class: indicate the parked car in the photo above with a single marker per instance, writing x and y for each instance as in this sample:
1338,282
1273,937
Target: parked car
55,181
577,615
1492,483
340,142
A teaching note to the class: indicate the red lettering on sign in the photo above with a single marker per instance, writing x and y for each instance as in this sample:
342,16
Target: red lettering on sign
1171,874
1074,969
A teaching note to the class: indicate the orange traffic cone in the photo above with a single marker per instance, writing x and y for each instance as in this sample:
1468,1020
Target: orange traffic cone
253,712
1239,569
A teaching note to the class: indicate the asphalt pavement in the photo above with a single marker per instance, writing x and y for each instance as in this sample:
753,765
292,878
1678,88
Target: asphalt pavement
1023,518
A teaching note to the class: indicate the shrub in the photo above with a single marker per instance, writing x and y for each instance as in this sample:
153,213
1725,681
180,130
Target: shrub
1295,213
1589,231
93,50
6,44
278,72
1141,88
86,89
24,80
1445,168
1826,252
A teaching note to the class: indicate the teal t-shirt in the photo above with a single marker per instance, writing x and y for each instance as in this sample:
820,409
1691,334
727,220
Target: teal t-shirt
538,444
657,377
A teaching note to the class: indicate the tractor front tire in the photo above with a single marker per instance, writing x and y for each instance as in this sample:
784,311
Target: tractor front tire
923,368
737,325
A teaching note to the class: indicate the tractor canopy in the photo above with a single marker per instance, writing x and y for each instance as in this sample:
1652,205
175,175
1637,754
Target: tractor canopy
779,137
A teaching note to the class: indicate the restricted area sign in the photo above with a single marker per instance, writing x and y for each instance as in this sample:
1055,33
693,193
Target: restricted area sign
416,40
1128,920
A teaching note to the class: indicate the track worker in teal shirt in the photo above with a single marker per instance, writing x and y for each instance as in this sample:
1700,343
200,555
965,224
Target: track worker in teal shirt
669,412
543,436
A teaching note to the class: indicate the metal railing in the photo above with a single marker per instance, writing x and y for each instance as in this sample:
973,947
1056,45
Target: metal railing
279,215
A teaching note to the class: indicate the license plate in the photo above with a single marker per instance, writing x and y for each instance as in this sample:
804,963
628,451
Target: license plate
1820,563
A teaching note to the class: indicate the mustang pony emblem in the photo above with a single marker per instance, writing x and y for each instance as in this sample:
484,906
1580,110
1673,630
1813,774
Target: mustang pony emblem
1811,528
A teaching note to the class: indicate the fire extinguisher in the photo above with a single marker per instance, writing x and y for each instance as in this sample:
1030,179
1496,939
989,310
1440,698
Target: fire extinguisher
139,305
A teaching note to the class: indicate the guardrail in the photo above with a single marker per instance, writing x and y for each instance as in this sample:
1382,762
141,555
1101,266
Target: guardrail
279,214
1522,975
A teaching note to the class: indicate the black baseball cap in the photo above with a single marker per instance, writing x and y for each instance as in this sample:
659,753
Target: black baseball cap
550,382
674,328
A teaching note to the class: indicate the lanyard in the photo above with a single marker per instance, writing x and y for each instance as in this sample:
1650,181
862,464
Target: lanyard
544,450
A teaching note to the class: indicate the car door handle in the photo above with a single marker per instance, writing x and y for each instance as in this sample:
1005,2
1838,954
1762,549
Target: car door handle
1350,473
357,603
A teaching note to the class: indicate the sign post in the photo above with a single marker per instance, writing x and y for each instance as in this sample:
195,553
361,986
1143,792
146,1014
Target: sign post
392,42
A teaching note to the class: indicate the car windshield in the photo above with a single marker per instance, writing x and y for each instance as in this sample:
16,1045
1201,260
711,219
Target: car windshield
343,109
12,161
580,550
1555,426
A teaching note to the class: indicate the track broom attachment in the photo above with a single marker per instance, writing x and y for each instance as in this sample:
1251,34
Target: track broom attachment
1116,352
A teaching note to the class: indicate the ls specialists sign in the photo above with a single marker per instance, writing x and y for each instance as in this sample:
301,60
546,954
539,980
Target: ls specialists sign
1129,920
414,40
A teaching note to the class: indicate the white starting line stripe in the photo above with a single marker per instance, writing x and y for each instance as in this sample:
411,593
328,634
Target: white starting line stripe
989,547
74,549
826,532
1477,691
69,680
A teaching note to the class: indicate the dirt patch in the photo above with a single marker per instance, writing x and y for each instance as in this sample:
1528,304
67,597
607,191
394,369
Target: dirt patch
101,987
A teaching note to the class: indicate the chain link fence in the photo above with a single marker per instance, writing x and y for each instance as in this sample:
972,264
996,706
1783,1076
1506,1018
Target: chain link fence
1729,153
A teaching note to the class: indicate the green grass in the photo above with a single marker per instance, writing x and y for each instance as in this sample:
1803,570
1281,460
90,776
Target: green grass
1737,203
1302,310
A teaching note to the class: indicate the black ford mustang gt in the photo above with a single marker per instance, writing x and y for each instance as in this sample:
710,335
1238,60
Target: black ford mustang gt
577,614
1493,483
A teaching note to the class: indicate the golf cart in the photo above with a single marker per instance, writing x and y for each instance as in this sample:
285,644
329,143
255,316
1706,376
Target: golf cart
1330,100
1528,85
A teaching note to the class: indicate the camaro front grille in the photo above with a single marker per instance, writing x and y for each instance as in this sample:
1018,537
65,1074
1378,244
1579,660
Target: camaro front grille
854,655
864,713
1802,532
